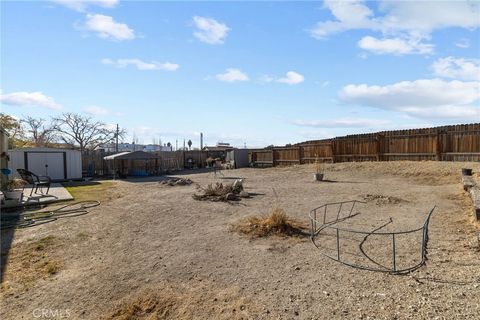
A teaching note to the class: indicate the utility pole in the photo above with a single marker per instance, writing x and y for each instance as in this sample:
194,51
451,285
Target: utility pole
183,144
116,140
201,140
176,144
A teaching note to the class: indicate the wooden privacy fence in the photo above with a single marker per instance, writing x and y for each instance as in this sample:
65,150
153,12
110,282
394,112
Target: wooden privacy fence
448,143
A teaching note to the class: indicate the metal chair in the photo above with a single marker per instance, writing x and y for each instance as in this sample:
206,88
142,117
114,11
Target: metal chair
35,180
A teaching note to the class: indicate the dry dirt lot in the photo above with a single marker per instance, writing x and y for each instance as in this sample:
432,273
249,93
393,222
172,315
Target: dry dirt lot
150,251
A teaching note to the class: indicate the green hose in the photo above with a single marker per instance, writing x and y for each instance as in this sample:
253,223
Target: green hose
31,219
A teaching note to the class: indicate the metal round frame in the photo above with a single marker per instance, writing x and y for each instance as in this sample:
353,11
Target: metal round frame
316,228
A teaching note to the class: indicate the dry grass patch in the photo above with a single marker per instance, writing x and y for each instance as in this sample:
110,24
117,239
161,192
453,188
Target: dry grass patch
276,223
100,191
30,262
198,301
424,172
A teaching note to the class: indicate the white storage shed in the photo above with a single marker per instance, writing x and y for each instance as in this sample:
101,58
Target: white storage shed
58,164
239,158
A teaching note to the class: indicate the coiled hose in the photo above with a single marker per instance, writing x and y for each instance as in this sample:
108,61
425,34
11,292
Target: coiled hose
30,219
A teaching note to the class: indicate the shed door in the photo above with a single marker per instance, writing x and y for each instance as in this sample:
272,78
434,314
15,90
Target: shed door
50,164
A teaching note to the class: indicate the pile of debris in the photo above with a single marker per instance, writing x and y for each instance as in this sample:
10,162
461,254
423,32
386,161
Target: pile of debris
380,199
221,192
177,182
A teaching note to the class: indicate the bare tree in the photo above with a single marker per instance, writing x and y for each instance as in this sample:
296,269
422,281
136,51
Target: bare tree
83,131
41,132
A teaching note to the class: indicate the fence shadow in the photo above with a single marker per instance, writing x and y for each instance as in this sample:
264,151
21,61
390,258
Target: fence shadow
7,236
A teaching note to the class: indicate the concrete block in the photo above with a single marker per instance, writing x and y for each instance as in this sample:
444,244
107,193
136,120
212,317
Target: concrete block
475,194
468,182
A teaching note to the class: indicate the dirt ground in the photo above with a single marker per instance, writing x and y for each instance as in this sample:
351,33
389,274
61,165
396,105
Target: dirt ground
150,251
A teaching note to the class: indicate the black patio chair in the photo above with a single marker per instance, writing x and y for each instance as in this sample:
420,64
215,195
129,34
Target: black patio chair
35,180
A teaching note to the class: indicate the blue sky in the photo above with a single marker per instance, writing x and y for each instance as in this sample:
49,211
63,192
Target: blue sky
258,73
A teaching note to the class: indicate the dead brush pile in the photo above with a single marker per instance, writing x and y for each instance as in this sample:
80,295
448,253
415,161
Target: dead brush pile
380,199
177,182
221,192
276,223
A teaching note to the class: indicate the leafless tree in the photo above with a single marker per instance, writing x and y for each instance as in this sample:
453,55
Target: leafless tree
41,132
83,131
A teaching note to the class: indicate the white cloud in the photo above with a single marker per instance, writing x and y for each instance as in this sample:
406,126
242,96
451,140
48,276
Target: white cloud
396,46
349,15
425,98
142,65
81,5
107,28
291,78
411,15
398,16
399,19
37,99
232,75
265,78
96,111
457,68
210,30
342,123
463,43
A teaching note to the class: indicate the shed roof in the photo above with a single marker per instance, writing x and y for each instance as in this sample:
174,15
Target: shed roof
135,155
43,149
221,148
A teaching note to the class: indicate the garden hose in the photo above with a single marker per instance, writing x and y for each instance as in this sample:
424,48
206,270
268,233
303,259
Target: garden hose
30,219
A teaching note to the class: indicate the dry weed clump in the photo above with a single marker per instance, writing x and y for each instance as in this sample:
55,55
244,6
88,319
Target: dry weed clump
197,301
276,223
29,262
221,192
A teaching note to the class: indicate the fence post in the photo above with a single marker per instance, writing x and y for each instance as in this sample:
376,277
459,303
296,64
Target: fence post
332,150
338,245
439,146
379,147
394,253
